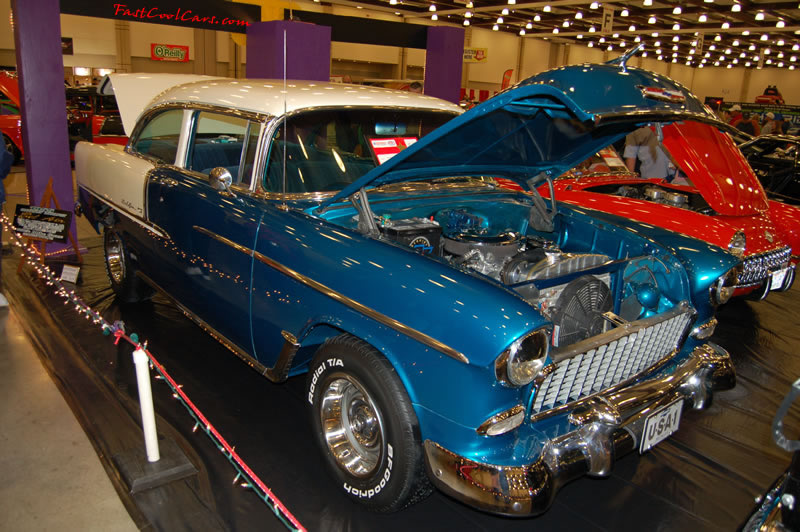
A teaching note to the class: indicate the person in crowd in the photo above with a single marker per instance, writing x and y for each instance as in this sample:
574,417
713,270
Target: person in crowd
735,114
768,127
779,125
749,124
642,147
6,159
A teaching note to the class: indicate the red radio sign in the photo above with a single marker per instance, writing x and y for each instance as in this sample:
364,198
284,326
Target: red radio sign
169,52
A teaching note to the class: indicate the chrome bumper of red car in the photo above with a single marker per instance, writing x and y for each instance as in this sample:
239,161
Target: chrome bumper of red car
607,428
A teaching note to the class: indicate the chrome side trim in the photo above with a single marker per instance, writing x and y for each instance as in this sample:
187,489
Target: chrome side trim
278,373
348,302
121,210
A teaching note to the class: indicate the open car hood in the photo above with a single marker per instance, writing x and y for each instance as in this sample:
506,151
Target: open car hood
716,167
544,125
134,91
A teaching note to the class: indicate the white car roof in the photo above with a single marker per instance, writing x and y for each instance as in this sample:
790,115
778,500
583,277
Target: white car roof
135,93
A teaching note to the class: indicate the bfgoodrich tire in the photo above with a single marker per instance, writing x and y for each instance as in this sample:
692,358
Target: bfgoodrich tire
365,426
121,271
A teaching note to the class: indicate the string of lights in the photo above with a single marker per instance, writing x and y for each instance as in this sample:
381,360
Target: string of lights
245,476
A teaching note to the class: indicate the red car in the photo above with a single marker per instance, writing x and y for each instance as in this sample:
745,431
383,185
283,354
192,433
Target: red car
10,120
716,198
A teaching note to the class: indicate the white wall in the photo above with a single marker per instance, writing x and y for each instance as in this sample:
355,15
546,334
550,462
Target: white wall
535,57
502,50
93,41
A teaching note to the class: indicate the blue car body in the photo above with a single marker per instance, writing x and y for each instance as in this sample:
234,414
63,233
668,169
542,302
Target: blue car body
276,276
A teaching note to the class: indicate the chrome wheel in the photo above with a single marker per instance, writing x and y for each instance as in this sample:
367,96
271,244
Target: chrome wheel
114,258
352,425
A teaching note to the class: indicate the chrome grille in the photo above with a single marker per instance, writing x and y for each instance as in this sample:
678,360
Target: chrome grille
611,363
756,268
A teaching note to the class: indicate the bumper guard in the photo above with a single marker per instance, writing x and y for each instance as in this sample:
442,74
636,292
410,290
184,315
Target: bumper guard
608,427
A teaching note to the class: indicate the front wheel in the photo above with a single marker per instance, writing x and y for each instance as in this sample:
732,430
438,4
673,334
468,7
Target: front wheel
121,271
365,426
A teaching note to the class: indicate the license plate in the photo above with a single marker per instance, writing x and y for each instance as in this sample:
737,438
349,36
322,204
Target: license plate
661,424
777,279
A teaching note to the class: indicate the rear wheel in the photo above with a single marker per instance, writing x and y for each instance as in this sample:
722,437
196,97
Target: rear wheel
365,426
121,270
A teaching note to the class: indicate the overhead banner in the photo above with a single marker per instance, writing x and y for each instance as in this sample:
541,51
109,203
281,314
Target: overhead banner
169,52
476,55
203,14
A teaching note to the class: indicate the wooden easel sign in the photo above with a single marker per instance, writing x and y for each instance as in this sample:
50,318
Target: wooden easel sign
43,224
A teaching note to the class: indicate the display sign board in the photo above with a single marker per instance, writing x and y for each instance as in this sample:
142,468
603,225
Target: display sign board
476,55
42,223
790,113
203,14
384,148
169,52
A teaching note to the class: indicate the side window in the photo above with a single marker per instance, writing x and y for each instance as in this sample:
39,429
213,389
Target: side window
158,139
226,141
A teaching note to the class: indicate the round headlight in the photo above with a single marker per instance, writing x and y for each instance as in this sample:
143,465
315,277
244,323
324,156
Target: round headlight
723,289
738,244
524,359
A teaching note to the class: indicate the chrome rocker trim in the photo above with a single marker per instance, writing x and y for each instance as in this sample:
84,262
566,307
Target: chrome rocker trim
607,428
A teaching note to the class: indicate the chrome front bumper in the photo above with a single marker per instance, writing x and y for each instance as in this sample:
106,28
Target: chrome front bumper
607,427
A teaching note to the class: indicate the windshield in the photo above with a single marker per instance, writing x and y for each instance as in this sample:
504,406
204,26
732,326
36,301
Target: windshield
329,149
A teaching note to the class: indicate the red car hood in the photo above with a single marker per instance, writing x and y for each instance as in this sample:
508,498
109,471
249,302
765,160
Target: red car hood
716,167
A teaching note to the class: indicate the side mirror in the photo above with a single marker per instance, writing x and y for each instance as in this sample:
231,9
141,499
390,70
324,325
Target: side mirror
220,178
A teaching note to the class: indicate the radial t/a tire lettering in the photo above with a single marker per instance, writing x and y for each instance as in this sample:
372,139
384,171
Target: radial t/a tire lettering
365,426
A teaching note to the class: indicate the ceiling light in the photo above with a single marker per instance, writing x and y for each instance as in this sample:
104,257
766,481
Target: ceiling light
631,28
470,5
647,2
764,37
522,31
546,9
658,51
504,11
736,8
675,48
499,20
716,63
676,26
468,14
594,5
760,15
657,44
768,61
747,64
742,55
735,61
692,51
780,55
793,58
529,26
728,50
660,57
602,40
434,17
592,29
767,51
746,33
780,64
616,35
726,25
712,47
735,42
707,54
393,2
791,67
555,30
565,24
780,42
652,19
676,38
622,44
637,39
702,18
580,36
676,10
432,7
610,47
625,12
466,22
537,18
644,54
590,45
654,34
495,28
694,42
751,47
718,38
578,15
780,24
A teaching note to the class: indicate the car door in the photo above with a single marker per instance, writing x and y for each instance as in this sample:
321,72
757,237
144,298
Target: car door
207,230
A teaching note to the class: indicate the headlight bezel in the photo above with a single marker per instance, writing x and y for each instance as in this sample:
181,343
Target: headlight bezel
721,291
738,244
524,359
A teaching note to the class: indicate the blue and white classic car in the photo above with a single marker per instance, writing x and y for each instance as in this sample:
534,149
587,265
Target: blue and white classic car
454,333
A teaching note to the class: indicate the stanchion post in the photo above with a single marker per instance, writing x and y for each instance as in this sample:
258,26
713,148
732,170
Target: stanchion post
142,364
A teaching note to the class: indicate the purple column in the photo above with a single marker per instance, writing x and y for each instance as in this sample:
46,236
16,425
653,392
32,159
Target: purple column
443,61
37,37
308,50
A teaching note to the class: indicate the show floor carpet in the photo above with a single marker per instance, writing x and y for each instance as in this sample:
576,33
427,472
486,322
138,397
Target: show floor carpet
705,477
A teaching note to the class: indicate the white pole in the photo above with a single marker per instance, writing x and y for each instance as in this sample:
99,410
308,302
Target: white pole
146,404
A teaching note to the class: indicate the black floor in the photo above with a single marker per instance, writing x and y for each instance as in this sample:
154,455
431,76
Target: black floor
705,477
